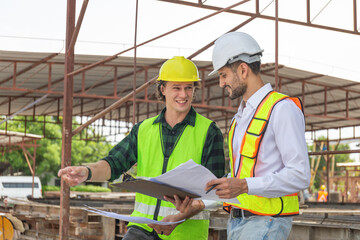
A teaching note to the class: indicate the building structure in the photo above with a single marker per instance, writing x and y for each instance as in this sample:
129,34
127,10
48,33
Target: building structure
98,89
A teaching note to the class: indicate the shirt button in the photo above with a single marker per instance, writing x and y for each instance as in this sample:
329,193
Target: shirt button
173,132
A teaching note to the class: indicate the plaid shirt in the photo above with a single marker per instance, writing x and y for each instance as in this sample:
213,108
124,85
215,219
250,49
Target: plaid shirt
124,154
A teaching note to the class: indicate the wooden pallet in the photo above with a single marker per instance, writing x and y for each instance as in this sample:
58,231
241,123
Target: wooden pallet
42,221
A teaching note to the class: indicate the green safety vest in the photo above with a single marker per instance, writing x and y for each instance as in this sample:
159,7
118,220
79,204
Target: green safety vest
151,163
281,206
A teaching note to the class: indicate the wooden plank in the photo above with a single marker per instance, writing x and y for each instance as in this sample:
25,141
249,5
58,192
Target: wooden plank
108,226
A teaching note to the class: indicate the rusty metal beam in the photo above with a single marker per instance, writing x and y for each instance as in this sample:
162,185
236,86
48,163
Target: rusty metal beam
339,118
212,42
78,95
78,63
114,106
355,15
29,68
55,82
135,51
276,45
334,152
67,121
325,128
145,85
308,24
346,100
334,119
29,91
300,80
78,26
155,38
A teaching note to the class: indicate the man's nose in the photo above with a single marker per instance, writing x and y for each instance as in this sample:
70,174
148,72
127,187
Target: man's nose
182,92
221,83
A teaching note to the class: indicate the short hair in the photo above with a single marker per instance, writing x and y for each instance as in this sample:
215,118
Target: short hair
255,66
160,83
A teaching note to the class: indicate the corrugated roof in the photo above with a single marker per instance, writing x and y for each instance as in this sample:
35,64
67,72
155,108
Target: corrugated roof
94,89
11,137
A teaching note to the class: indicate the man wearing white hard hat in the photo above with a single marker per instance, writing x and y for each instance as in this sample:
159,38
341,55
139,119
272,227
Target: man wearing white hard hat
267,149
158,145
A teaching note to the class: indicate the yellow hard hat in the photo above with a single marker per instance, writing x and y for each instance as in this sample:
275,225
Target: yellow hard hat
322,187
179,69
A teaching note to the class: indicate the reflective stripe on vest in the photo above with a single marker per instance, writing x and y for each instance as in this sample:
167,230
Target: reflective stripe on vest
151,160
285,205
165,211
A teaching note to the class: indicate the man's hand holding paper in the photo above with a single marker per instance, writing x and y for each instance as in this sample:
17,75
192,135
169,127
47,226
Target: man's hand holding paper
187,208
227,188
193,178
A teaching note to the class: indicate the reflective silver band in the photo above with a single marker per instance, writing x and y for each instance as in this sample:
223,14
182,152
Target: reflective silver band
165,211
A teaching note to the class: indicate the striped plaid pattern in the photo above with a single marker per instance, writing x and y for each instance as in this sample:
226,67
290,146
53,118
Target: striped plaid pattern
124,154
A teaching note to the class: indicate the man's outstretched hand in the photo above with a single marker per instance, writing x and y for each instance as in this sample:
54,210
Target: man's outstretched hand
73,175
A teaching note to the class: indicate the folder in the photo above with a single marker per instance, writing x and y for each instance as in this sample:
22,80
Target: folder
154,189
187,179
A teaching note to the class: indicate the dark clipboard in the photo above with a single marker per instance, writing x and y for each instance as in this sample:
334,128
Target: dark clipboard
153,189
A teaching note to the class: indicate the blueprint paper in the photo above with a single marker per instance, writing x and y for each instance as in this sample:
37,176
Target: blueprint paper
192,177
128,218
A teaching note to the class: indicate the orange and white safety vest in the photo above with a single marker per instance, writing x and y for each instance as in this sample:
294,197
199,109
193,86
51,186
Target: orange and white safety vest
322,196
281,206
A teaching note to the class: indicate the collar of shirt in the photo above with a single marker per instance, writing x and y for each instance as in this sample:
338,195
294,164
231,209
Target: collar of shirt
254,100
189,119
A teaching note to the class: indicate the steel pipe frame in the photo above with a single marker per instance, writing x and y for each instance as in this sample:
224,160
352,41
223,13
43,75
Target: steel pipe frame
326,89
56,82
151,66
109,97
112,127
71,34
34,65
257,14
141,88
11,146
53,92
254,16
155,38
215,98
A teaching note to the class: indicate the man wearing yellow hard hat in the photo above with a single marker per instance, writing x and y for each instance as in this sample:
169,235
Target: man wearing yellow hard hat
322,194
160,144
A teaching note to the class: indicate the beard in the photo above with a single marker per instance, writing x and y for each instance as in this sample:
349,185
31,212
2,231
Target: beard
238,91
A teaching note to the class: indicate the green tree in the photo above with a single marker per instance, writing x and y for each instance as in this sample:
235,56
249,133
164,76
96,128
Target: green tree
48,153
320,177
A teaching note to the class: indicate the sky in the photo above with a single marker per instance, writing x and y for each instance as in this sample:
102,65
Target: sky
108,28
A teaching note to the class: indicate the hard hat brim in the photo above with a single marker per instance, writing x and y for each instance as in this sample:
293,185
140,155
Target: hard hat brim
178,80
213,73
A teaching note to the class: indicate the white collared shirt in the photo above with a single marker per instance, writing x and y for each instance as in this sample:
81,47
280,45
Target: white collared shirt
283,164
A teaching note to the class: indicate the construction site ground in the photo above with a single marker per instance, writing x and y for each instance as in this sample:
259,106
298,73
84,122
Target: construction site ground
41,218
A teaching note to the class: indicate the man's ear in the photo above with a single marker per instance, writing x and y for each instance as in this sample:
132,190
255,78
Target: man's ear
162,89
243,70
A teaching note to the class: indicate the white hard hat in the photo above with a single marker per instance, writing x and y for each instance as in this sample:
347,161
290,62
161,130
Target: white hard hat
232,47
